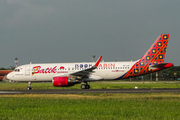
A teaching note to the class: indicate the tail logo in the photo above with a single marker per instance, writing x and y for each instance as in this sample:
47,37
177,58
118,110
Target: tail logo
155,55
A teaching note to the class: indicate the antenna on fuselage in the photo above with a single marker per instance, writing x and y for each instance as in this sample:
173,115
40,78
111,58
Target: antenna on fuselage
93,57
16,61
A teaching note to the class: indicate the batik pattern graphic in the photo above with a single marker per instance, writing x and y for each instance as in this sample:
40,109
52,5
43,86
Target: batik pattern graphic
155,55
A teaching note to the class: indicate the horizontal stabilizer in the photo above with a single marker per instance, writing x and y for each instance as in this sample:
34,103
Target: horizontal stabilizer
161,66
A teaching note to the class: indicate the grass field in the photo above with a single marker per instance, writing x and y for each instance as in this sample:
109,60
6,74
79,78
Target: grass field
93,106
149,106
94,85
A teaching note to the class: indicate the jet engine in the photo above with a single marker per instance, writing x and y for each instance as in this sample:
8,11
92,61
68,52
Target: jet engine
62,81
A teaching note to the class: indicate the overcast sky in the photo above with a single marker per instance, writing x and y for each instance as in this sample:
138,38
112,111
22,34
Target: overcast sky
42,31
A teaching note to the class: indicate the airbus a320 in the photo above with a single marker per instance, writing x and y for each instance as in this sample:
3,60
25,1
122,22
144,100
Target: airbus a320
69,74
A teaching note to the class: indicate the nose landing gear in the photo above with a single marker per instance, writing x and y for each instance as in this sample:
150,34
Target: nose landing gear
29,86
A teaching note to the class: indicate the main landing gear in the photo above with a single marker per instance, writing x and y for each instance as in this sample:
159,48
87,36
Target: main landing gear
85,86
29,86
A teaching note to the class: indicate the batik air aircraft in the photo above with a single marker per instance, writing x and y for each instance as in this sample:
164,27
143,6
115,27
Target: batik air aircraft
69,74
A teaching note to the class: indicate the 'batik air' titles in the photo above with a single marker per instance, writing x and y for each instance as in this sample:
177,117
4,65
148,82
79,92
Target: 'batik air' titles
101,65
37,69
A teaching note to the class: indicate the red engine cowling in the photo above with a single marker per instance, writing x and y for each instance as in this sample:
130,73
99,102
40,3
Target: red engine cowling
61,81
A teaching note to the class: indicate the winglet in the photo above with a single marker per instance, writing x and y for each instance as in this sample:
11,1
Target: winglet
98,61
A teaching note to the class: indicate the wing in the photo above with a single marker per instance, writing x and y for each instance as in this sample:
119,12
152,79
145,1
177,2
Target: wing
85,73
67,80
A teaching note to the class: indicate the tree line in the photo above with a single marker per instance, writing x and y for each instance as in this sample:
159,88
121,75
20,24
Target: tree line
172,73
9,68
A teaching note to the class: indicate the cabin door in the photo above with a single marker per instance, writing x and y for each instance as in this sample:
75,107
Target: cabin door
27,71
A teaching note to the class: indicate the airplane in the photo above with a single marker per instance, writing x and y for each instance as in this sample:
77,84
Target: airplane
69,74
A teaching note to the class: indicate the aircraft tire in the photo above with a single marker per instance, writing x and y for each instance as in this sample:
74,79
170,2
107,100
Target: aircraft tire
87,86
29,88
83,86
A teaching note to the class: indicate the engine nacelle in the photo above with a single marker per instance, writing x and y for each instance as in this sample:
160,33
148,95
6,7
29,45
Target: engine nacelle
61,81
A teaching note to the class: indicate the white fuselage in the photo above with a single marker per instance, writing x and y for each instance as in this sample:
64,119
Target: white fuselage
46,71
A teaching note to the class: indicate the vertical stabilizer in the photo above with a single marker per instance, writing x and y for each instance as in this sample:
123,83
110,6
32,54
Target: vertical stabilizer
157,51
154,56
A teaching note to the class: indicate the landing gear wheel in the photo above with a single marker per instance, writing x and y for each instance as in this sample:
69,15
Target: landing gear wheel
29,86
87,86
83,86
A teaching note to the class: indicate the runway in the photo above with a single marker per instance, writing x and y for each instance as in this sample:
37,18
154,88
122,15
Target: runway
76,91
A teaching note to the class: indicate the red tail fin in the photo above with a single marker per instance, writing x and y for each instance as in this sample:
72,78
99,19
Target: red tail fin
155,55
157,51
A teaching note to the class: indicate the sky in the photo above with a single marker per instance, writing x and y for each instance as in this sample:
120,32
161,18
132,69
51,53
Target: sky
54,31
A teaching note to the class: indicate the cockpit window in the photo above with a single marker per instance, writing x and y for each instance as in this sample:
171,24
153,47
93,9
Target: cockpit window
16,70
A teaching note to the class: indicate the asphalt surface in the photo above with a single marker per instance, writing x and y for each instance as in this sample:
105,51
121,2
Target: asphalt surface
75,91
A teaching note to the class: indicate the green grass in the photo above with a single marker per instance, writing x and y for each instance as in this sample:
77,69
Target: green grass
94,85
91,106
149,106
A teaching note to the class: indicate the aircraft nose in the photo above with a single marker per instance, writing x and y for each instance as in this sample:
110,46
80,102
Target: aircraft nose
9,76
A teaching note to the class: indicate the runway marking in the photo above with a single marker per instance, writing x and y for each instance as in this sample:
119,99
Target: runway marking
9,92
